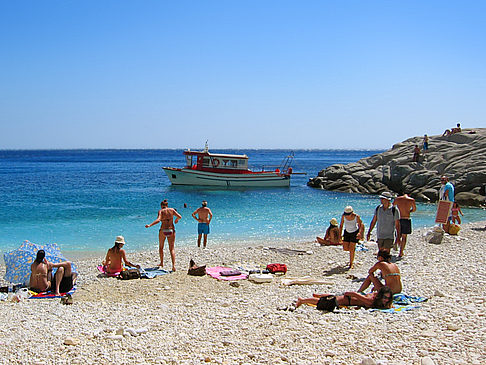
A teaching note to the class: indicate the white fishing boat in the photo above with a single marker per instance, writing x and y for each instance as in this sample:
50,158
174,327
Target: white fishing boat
218,169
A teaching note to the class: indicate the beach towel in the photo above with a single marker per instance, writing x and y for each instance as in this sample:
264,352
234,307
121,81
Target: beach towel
306,280
402,303
102,269
49,295
361,247
215,272
152,272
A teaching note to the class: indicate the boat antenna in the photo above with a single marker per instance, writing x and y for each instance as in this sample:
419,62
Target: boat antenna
206,148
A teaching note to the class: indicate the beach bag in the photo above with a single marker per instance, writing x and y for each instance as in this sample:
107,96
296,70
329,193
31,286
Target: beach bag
328,303
197,271
454,229
130,274
274,268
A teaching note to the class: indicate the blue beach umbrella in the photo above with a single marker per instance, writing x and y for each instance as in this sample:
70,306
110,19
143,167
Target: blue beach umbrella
17,262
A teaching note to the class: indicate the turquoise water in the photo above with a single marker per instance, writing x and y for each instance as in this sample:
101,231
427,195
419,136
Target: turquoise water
82,199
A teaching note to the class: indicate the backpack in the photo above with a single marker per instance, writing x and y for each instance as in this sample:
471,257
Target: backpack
130,274
273,268
394,208
328,303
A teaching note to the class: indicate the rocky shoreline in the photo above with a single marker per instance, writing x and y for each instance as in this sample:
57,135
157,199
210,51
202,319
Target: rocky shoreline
460,156
179,319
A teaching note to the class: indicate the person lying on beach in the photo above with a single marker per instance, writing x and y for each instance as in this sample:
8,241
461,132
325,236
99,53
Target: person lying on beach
389,272
382,299
115,255
41,279
333,236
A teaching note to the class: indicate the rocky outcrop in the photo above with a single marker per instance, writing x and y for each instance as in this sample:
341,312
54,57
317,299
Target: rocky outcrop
461,156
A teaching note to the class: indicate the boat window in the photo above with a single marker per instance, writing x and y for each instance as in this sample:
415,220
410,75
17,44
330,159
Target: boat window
189,160
234,163
206,161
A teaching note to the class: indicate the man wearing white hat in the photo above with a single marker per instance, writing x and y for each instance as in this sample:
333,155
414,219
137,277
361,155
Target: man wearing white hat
387,218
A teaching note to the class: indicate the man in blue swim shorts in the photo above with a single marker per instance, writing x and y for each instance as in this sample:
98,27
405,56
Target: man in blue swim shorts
203,215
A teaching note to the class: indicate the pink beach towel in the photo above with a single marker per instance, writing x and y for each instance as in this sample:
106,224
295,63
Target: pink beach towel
216,270
102,270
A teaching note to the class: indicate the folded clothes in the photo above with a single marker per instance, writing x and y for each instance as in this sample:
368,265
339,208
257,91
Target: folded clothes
215,272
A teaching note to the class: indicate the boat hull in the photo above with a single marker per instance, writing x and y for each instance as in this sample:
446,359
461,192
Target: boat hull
205,178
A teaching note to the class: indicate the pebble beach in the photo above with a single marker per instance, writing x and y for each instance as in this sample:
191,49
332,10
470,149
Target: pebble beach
181,319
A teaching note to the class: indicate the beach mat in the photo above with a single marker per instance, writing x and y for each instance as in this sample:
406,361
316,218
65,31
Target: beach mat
215,271
402,303
49,295
102,270
305,280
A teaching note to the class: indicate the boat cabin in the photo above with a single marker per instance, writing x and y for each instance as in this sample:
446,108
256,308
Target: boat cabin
197,160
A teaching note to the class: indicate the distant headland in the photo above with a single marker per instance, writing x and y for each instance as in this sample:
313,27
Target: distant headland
460,156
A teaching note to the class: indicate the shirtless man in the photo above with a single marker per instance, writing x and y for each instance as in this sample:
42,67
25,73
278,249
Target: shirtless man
389,272
203,215
41,279
405,205
167,230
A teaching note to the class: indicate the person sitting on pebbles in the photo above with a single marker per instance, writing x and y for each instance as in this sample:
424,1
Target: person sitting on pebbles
381,299
333,236
42,280
389,272
115,255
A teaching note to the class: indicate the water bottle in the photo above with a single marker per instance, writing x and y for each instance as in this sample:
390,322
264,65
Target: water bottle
10,292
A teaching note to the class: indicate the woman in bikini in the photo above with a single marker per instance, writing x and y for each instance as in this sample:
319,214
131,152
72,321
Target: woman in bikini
167,230
382,299
389,272
456,209
42,280
332,237
115,255
353,232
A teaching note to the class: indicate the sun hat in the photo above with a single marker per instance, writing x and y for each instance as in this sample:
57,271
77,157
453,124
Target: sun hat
386,195
348,209
120,239
333,222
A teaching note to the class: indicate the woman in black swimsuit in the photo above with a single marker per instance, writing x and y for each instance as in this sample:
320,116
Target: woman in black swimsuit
167,230
381,299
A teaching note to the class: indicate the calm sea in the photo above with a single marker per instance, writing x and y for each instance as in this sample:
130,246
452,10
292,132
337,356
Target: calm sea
82,199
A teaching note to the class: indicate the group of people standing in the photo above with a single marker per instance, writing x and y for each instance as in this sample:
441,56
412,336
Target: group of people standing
392,221
167,217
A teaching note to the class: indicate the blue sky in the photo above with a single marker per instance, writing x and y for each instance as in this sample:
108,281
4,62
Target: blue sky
241,74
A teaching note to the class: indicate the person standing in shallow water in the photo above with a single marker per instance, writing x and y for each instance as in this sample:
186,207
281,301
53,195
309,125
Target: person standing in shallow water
167,230
203,215
353,232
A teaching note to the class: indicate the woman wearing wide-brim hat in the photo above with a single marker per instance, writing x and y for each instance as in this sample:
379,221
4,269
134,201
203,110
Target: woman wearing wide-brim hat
333,235
353,232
